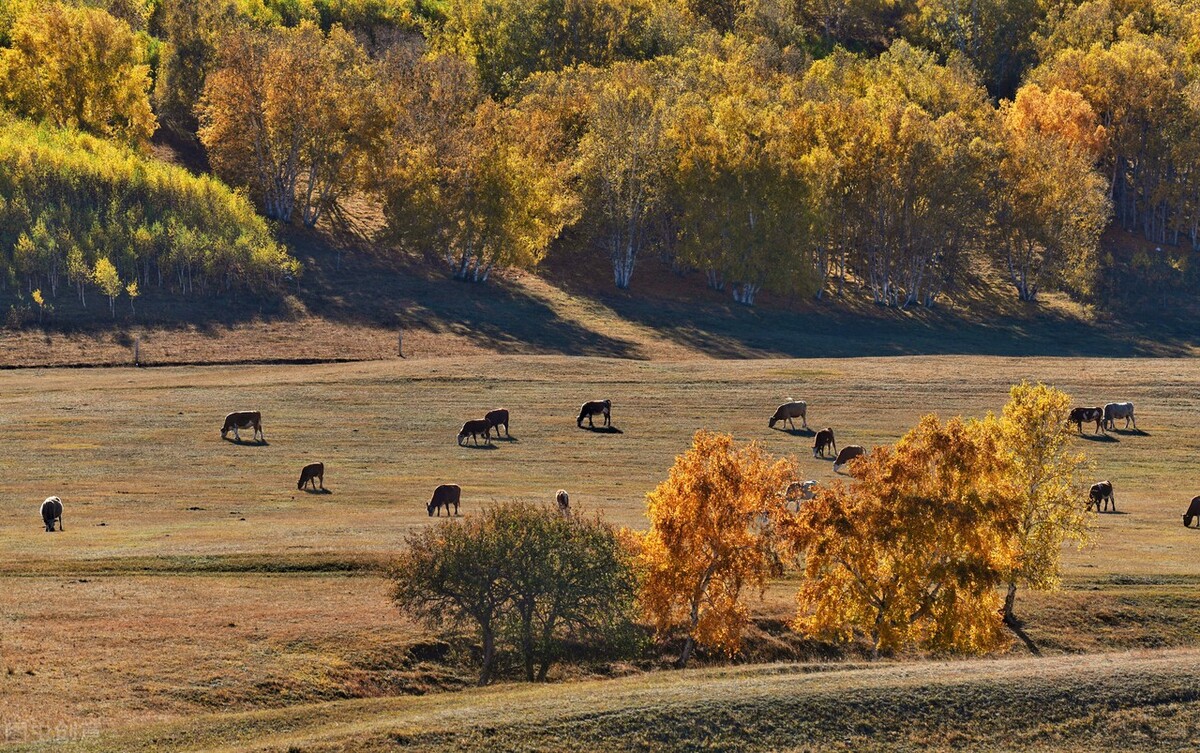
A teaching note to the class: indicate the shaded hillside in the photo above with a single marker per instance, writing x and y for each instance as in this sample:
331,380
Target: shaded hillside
353,302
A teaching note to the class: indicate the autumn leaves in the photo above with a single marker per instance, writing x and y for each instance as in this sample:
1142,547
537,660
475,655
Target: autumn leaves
912,552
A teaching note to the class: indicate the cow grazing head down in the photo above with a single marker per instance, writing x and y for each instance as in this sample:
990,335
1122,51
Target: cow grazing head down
1192,513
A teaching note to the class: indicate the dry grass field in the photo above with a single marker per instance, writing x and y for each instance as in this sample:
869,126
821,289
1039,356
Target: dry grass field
197,600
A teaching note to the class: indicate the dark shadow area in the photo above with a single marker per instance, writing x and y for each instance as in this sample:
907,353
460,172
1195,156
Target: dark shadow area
1018,629
310,490
1099,437
484,446
796,432
1130,432
350,280
982,321
246,442
603,429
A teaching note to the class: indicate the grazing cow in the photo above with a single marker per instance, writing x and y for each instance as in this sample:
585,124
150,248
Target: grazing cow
848,453
474,428
800,491
311,473
564,501
1102,492
444,496
496,419
1114,411
591,408
243,419
1081,416
1192,512
51,512
824,441
789,410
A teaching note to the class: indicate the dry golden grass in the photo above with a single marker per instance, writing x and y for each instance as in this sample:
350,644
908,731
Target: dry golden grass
124,619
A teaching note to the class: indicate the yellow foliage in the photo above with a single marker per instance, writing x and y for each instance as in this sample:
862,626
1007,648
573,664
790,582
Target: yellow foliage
1045,473
79,68
912,549
711,535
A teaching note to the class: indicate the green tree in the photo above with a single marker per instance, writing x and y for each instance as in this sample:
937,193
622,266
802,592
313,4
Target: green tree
523,573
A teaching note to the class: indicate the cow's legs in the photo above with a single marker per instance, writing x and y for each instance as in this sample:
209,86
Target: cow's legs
236,437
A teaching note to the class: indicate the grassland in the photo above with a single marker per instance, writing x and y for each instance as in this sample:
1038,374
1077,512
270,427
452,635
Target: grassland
197,599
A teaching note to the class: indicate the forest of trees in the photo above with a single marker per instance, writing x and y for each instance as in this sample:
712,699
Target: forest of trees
833,147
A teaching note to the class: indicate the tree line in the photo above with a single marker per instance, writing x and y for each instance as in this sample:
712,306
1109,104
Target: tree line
802,149
82,213
925,546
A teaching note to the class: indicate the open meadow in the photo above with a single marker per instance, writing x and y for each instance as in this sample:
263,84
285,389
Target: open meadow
197,599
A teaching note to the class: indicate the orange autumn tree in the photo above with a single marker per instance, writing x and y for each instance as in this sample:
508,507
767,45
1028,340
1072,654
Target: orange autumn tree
911,550
711,535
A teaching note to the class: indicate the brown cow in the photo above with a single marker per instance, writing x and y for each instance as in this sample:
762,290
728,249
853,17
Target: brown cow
1081,416
497,418
848,453
243,419
591,408
312,473
564,501
444,496
1102,492
824,440
474,428
789,410
1193,511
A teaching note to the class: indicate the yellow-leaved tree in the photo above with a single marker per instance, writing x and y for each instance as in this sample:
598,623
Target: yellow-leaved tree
1045,474
711,534
78,67
911,551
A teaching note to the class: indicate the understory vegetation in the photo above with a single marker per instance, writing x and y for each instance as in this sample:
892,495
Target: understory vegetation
886,150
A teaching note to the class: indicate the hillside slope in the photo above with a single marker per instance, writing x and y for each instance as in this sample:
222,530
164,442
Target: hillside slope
355,301
1128,701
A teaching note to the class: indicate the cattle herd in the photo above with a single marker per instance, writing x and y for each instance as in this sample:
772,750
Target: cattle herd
1100,495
